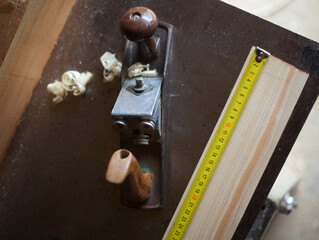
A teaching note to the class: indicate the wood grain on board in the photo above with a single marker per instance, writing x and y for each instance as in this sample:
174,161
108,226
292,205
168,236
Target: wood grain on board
25,60
248,151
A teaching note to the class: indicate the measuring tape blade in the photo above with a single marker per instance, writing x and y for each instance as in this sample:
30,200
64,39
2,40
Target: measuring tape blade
219,144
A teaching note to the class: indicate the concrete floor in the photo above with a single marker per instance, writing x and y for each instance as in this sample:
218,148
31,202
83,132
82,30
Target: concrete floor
300,16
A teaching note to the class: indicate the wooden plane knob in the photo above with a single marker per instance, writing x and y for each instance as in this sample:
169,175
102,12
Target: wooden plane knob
139,24
125,171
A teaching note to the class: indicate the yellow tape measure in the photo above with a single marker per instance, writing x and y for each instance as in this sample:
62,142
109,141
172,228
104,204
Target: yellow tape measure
219,144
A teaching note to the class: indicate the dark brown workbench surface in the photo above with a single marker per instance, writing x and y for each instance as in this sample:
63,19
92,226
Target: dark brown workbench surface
52,178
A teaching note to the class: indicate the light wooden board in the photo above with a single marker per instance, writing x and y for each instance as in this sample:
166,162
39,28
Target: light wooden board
25,60
248,151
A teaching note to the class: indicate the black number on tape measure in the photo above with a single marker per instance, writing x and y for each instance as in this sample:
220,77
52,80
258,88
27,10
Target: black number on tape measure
201,184
187,212
197,190
242,95
221,139
214,154
245,87
211,162
180,226
235,109
190,204
238,102
184,219
225,132
218,147
204,176
177,233
207,169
